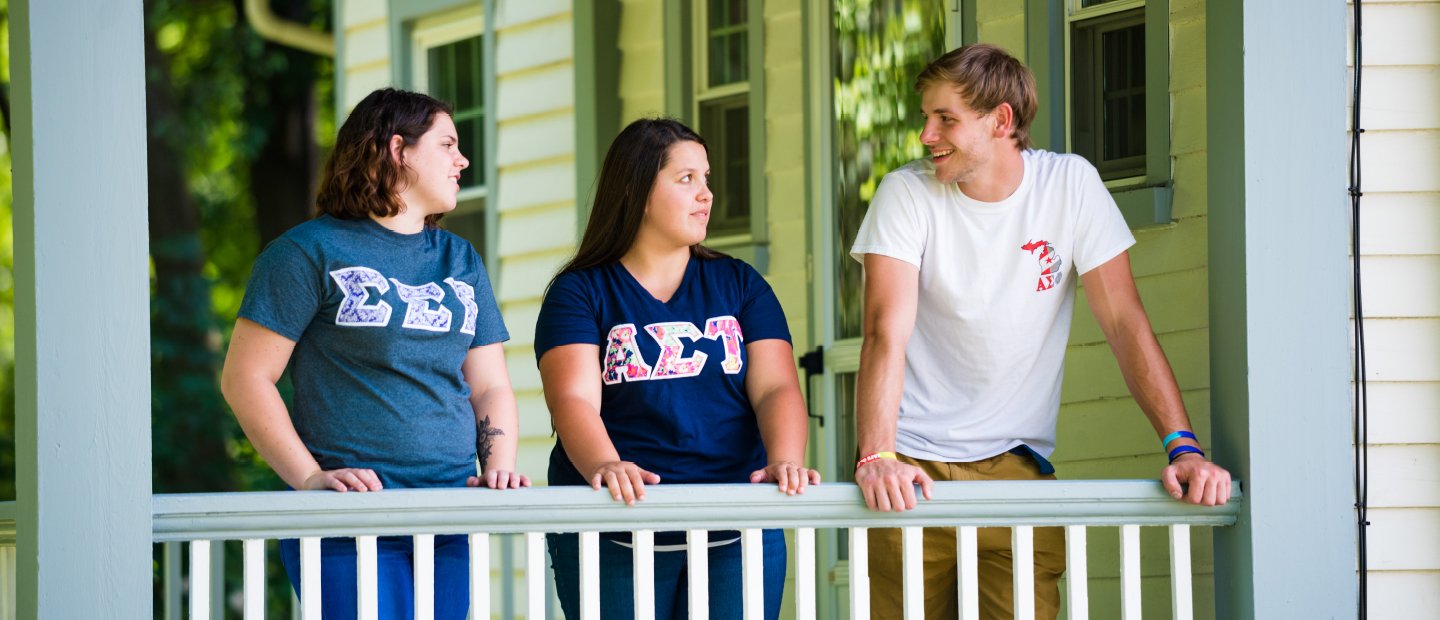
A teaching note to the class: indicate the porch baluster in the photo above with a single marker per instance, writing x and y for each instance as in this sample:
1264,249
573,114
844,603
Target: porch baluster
805,573
589,575
644,575
1130,572
424,576
913,572
859,574
479,575
535,574
699,565
967,547
1077,586
1184,596
199,579
254,577
174,580
367,582
310,578
753,567
1022,555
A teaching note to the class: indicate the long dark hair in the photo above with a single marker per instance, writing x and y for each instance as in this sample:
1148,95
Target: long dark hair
360,178
626,179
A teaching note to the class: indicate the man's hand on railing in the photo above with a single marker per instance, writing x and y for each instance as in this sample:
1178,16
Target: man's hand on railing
792,478
342,480
1209,483
889,485
499,479
625,480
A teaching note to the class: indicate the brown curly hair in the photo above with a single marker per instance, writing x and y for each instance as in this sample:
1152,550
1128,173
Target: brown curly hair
360,178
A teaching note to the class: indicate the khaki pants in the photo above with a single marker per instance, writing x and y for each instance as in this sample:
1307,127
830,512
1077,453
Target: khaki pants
994,560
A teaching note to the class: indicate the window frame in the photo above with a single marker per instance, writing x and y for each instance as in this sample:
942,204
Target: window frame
687,88
1144,199
435,32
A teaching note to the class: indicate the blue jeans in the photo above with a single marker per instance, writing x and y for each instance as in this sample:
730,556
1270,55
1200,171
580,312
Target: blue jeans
617,589
395,577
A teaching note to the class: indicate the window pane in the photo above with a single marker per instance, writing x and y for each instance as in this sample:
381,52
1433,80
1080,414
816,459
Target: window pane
470,225
456,76
725,124
1108,93
727,46
1124,92
879,48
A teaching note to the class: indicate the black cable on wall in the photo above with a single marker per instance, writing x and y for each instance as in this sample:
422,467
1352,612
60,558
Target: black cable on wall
1361,413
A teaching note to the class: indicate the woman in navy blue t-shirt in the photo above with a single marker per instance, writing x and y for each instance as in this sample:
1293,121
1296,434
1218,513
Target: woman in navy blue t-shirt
696,380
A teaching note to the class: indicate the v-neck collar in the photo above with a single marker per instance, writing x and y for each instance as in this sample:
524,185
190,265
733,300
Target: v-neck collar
645,292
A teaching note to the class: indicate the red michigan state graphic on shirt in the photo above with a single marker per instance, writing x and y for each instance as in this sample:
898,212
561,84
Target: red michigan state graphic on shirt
1049,264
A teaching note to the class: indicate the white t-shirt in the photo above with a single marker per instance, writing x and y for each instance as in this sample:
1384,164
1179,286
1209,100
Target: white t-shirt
997,288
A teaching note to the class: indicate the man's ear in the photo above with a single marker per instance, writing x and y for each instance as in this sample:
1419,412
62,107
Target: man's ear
397,149
1004,120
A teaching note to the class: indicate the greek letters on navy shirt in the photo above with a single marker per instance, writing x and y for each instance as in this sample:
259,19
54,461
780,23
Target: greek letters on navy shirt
673,374
381,323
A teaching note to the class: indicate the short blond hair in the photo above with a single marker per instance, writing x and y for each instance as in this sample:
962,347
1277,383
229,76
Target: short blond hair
987,76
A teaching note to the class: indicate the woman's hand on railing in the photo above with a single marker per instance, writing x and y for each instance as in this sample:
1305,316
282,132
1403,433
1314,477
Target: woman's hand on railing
792,478
625,480
499,479
342,480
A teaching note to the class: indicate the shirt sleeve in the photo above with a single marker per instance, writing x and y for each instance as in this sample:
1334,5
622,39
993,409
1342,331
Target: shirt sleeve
893,225
567,316
1100,229
489,323
284,291
761,316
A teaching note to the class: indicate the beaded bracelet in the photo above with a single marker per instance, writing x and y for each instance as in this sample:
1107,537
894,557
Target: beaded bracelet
1165,443
1179,450
875,457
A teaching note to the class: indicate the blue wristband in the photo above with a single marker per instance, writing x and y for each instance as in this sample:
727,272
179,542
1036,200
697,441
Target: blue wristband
1179,450
1165,443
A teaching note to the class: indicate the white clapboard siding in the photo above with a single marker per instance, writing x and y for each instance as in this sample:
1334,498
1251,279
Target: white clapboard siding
1403,350
364,52
1399,223
1400,33
1393,412
1405,539
1401,286
1400,217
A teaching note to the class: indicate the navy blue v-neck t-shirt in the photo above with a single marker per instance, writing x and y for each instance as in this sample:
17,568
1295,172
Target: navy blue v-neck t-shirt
673,399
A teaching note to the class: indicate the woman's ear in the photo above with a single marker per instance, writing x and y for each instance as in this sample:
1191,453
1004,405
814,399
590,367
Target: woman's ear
397,149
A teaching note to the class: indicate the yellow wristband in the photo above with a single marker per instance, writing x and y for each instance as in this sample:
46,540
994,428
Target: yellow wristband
875,457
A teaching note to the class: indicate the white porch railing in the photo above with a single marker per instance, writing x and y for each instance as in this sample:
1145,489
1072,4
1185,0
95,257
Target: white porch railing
199,520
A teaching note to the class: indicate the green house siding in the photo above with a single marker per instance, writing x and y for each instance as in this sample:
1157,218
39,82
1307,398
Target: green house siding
535,153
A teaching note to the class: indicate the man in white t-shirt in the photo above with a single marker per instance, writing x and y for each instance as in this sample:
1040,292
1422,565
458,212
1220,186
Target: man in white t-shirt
971,261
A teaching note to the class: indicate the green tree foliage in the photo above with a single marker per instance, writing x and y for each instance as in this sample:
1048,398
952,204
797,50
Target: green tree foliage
233,149
880,46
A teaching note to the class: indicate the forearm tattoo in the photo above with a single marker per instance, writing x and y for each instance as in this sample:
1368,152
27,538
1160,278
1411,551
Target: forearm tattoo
485,440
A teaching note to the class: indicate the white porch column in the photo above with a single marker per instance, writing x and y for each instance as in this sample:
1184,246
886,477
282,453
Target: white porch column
1279,305
82,349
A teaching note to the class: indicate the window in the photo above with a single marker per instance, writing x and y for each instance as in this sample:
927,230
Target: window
722,106
1118,108
448,63
1108,86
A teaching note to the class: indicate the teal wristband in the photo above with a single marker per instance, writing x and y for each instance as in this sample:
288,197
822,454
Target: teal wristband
1165,443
